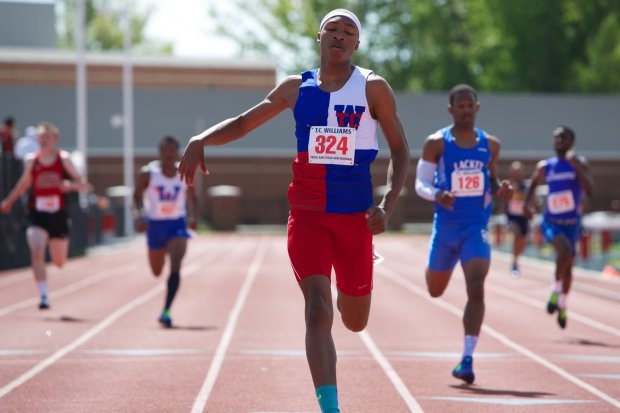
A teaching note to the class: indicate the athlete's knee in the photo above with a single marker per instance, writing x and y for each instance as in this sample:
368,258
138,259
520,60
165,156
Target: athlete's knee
564,255
319,313
37,239
475,289
435,291
356,323
435,288
156,267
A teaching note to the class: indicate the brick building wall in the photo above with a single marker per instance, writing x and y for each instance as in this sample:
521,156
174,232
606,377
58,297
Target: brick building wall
264,183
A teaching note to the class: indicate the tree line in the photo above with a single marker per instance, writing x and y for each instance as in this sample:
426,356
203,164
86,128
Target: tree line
543,46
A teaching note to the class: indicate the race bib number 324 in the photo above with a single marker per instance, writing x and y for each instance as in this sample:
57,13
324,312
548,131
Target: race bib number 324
331,145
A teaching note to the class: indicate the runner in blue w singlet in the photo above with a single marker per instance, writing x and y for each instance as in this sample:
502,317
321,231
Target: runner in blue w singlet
457,172
165,206
568,178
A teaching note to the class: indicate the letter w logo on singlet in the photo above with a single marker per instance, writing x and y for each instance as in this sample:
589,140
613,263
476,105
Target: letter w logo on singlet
349,115
168,196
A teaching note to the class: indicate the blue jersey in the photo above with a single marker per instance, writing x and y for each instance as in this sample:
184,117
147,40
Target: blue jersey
336,143
565,190
465,172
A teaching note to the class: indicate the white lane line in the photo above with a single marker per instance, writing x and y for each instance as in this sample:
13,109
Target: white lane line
142,352
537,304
602,376
61,292
25,273
84,338
422,293
231,325
19,352
511,401
388,369
446,355
398,383
79,341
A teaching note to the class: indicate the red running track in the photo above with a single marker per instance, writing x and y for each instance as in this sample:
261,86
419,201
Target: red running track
239,341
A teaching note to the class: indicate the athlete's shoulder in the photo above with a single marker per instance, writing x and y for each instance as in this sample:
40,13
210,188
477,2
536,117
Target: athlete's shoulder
543,163
378,90
367,73
433,147
64,155
374,79
30,157
286,91
491,138
291,81
437,135
152,166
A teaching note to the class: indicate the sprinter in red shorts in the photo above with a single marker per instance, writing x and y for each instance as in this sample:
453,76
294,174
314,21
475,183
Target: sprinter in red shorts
337,108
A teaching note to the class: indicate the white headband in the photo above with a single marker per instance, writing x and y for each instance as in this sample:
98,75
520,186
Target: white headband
345,13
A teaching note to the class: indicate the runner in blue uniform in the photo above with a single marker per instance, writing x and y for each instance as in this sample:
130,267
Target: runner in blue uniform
568,178
337,108
457,171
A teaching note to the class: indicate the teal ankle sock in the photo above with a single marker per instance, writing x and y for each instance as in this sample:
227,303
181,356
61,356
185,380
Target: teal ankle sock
327,397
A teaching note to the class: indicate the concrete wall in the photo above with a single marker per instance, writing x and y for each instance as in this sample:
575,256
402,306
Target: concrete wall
27,24
523,122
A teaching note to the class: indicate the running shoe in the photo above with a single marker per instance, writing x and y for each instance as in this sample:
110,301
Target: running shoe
465,370
514,271
165,320
44,304
562,318
552,304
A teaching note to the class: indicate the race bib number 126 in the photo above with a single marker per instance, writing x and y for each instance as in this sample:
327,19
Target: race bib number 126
331,145
468,183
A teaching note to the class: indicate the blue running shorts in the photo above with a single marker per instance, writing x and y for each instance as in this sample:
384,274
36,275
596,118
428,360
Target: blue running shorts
454,241
551,229
159,232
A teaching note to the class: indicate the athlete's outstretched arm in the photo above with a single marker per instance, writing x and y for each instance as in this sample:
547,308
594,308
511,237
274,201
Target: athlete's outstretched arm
22,185
280,98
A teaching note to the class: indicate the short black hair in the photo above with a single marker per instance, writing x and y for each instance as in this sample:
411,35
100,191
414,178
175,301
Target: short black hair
9,120
567,131
462,88
169,139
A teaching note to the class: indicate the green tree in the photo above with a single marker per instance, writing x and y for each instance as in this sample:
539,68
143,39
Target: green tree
601,71
415,44
498,45
105,27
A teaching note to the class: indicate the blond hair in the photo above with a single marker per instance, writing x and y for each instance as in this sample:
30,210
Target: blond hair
48,127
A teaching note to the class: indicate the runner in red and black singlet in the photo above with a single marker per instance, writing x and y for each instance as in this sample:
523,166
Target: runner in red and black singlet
51,174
